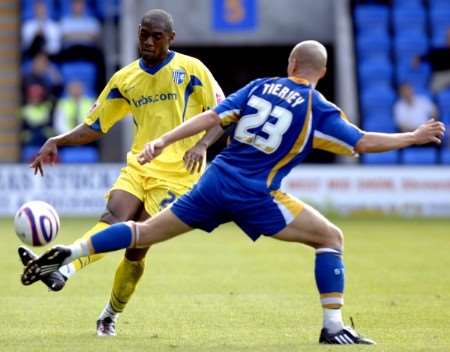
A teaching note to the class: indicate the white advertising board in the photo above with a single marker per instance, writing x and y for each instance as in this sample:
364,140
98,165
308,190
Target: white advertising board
71,189
80,189
346,189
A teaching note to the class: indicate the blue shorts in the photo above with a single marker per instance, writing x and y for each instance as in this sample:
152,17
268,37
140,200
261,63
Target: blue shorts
216,199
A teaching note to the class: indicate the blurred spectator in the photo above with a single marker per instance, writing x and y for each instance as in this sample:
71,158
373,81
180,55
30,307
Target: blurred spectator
439,59
42,71
79,28
40,33
36,116
412,110
81,34
71,110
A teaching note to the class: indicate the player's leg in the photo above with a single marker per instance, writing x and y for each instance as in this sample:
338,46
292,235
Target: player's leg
124,202
313,229
127,276
121,206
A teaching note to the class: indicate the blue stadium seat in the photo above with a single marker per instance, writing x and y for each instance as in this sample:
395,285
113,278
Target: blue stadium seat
107,8
418,77
28,153
439,5
375,72
82,71
419,156
387,158
445,156
407,4
373,45
371,18
440,23
409,19
65,7
377,101
374,122
407,46
79,155
445,118
443,100
27,11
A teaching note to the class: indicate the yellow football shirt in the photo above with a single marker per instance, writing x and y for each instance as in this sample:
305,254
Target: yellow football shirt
158,98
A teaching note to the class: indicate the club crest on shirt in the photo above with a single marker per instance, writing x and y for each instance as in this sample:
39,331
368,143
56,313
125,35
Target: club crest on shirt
178,76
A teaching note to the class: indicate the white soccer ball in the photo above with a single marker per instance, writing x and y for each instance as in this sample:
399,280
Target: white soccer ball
36,223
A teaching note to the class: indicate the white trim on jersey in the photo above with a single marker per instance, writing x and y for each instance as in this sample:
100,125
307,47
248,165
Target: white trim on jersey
227,113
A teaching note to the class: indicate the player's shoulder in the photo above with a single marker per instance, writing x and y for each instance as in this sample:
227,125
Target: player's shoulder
321,103
126,70
190,62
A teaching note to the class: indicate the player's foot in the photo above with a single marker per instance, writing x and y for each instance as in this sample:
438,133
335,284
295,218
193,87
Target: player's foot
54,281
106,327
346,336
47,263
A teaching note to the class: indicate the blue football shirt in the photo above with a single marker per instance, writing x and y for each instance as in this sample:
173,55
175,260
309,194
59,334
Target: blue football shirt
278,121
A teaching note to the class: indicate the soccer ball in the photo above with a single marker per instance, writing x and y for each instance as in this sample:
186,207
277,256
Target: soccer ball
36,223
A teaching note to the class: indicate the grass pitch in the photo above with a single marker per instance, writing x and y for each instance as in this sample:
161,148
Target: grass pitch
221,292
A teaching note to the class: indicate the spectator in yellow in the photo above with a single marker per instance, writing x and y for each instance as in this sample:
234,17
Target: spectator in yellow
71,109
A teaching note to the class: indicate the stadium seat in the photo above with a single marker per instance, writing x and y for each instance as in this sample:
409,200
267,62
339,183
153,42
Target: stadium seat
373,46
445,156
379,123
28,153
407,46
419,156
107,8
372,18
375,72
443,100
409,19
377,101
79,155
387,158
440,23
27,10
407,4
418,77
81,71
65,7
439,4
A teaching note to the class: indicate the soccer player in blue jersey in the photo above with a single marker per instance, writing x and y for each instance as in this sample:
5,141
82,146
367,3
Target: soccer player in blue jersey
278,122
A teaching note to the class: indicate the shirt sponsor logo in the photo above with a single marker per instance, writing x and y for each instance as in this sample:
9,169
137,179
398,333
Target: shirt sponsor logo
150,99
178,76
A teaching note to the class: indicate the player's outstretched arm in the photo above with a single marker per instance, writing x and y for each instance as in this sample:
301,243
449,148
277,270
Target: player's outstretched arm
430,132
201,122
82,134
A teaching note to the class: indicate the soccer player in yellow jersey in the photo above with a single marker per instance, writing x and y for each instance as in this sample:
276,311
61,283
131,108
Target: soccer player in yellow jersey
160,90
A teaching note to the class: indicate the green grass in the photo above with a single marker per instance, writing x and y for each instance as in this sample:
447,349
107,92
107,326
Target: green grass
224,293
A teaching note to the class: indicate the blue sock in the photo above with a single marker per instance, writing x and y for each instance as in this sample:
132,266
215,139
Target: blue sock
115,237
329,273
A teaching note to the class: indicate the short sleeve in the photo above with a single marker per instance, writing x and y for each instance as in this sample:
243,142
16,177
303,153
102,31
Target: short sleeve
110,107
334,132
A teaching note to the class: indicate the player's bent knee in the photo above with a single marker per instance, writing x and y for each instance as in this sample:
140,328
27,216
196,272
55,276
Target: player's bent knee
111,218
334,238
136,254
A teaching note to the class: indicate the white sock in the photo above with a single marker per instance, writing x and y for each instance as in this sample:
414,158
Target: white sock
108,312
332,320
67,270
78,250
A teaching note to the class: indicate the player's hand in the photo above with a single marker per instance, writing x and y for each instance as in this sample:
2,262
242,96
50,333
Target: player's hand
151,151
47,154
431,131
195,157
